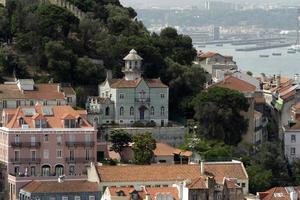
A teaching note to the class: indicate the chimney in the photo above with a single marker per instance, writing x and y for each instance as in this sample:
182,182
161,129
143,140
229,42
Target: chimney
148,197
59,87
296,78
293,195
108,74
202,167
278,78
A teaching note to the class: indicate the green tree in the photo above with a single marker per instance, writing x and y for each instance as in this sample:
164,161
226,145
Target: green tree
143,147
270,156
55,22
260,179
218,112
119,140
61,61
89,73
296,171
183,78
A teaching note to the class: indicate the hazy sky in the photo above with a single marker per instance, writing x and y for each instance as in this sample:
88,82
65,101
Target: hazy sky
173,3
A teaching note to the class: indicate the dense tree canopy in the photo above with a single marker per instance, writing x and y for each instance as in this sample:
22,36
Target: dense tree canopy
119,140
218,112
53,43
143,146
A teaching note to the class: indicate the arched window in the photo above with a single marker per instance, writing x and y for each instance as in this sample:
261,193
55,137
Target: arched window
152,110
107,111
122,111
131,111
46,170
21,120
59,170
162,111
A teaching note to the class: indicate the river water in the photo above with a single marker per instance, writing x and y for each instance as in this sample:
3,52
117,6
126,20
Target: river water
286,64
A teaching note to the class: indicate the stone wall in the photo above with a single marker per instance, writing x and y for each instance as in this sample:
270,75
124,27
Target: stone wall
171,135
65,4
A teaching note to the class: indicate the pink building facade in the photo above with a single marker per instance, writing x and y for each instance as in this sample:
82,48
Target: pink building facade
45,142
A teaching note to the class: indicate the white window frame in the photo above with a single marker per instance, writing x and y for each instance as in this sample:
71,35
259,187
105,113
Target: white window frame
92,197
57,153
293,151
77,198
64,198
122,111
46,154
162,95
293,140
121,96
131,111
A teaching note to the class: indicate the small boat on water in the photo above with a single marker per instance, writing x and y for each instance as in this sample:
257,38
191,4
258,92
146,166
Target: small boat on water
290,51
263,56
276,54
201,46
219,45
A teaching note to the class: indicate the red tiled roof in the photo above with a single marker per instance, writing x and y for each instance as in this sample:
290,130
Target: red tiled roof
44,91
198,183
53,121
137,173
231,184
163,149
221,170
260,100
64,187
278,193
10,91
122,83
152,191
208,54
234,83
297,106
68,90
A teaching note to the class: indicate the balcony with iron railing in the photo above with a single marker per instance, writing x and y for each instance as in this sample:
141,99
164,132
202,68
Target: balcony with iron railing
142,100
80,160
25,160
80,144
25,144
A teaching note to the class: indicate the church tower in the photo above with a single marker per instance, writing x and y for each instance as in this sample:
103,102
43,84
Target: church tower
133,65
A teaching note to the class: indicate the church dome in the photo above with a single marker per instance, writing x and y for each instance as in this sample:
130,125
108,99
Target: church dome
133,56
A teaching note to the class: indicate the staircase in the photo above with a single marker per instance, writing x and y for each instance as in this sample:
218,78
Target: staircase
67,5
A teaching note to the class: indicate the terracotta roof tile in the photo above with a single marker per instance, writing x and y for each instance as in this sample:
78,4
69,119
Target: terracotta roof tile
64,187
159,172
208,54
155,83
152,191
122,83
44,91
221,170
10,91
234,83
231,184
68,90
53,121
278,193
297,106
163,149
198,183
260,100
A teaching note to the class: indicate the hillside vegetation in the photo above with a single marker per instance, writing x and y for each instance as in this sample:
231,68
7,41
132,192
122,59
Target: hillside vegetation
49,43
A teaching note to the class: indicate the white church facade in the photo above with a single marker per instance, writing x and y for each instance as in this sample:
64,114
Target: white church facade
130,99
